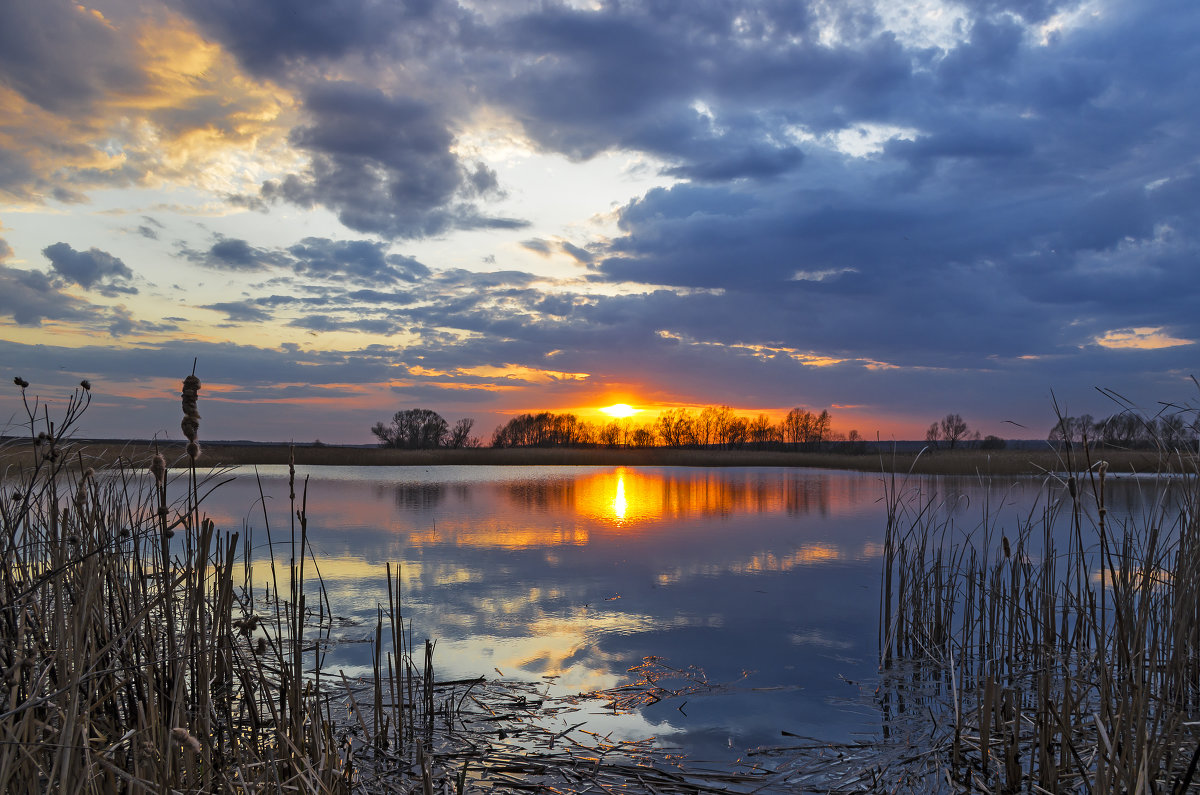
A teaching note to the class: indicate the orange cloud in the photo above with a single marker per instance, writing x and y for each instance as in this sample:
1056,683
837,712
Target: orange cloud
1140,338
192,118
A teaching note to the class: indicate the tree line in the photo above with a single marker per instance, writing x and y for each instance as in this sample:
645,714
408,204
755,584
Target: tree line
712,426
1128,430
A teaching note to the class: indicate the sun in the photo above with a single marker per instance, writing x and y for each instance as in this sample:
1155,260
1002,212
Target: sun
620,410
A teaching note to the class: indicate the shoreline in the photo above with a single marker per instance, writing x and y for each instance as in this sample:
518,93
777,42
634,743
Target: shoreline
936,462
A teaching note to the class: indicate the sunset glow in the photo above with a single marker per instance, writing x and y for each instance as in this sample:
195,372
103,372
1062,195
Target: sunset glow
620,410
297,201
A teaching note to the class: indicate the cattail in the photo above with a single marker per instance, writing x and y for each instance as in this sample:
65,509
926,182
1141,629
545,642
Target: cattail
158,468
86,384
183,737
247,624
260,648
191,415
21,382
82,492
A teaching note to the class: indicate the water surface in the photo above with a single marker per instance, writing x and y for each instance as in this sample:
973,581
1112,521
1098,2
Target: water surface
765,579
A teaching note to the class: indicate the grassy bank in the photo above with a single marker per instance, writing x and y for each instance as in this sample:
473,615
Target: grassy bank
941,462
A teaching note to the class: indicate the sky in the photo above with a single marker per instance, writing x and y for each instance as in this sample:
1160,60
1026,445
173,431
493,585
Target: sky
344,208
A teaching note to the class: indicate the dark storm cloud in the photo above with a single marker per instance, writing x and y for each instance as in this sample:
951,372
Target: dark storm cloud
267,35
60,56
631,76
1043,182
361,260
88,269
357,261
384,165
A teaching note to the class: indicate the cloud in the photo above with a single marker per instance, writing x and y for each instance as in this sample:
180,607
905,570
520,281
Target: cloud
370,325
538,246
235,254
240,311
364,261
88,269
270,35
29,297
92,101
384,165
86,61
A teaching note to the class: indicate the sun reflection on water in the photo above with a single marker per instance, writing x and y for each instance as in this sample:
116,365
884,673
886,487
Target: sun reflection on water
620,505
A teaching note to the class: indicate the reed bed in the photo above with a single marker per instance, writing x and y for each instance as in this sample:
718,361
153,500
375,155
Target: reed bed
1056,653
144,650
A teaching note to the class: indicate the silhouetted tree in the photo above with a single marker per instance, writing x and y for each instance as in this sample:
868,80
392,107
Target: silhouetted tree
642,437
953,429
413,429
675,427
802,427
460,434
761,431
932,434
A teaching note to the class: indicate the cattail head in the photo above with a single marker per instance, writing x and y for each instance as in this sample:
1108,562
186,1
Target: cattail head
81,493
158,468
86,384
182,737
193,450
260,648
191,415
21,382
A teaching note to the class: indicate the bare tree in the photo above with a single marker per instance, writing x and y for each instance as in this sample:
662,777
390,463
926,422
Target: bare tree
413,429
953,429
675,427
932,434
460,434
761,430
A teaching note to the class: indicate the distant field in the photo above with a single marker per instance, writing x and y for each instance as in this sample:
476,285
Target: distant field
965,462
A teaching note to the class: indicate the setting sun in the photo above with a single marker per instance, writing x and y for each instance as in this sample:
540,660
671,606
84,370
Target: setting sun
620,410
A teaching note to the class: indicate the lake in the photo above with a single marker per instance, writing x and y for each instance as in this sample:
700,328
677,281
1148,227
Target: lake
765,579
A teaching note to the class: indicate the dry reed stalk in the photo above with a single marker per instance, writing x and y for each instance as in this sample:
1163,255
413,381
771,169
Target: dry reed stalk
1071,668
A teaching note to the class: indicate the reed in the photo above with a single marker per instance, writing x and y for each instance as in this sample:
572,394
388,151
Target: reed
1057,653
135,654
